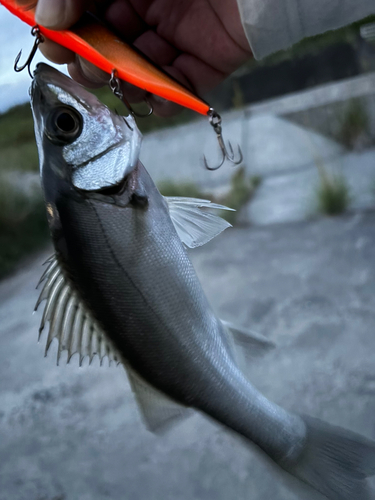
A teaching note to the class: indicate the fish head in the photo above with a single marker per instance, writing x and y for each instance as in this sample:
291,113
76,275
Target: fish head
80,141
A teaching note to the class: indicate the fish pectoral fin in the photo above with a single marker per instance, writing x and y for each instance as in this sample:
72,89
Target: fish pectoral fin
195,226
70,322
247,344
158,410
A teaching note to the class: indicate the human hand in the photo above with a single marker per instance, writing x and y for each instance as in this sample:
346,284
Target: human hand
198,42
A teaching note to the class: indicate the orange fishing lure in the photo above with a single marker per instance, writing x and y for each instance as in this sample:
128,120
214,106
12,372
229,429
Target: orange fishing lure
100,46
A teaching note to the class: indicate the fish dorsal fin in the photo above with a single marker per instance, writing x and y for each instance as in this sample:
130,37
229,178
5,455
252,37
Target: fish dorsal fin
70,322
194,226
157,409
247,344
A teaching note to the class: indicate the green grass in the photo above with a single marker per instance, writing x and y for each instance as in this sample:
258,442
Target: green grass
241,191
16,126
183,189
333,195
355,123
23,224
17,141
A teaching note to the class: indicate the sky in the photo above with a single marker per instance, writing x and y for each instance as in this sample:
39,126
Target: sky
14,36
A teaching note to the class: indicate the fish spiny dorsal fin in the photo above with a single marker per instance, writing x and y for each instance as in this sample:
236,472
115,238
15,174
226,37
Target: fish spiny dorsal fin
194,226
70,321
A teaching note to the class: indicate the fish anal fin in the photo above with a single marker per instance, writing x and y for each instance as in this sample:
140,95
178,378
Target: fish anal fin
247,344
159,412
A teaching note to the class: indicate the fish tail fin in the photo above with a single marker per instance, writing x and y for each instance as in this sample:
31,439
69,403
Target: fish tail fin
334,461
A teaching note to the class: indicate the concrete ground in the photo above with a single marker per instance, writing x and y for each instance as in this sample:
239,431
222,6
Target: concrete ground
69,433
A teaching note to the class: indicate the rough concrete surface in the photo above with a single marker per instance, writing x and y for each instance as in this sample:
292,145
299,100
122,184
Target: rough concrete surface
292,195
69,433
270,145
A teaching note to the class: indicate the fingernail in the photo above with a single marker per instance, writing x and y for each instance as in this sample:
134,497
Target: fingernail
50,13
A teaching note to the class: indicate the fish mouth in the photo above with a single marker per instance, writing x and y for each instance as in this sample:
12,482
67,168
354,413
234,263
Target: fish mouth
48,81
45,74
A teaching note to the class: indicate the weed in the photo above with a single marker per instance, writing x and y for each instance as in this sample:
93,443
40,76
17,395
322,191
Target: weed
241,191
238,99
184,189
354,129
333,195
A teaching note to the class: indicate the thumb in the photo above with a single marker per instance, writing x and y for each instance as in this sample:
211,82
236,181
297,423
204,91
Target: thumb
59,14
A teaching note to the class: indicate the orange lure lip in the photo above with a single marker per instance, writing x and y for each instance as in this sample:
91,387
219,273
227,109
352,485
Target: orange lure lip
98,45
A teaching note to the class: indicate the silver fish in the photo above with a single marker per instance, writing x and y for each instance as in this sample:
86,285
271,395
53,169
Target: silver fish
122,286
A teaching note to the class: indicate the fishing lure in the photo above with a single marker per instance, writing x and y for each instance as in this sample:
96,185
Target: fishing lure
98,45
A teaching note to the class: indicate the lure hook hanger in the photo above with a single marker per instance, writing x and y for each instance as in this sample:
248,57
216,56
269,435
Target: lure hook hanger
215,122
115,86
35,31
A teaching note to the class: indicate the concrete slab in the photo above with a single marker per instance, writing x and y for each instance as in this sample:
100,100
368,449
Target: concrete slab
272,145
291,196
269,144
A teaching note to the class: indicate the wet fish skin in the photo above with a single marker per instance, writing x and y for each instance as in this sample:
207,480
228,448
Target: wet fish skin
119,249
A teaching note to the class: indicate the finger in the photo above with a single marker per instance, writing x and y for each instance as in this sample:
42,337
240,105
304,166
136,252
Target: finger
201,77
229,15
163,107
56,53
133,94
59,14
87,74
92,77
156,48
125,20
210,42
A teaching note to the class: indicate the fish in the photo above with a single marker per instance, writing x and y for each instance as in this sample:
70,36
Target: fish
120,286
96,43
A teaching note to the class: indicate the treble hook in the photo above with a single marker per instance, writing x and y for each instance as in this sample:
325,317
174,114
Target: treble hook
114,85
215,121
35,31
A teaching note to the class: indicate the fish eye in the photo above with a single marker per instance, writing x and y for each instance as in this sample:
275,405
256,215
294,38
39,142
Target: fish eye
64,125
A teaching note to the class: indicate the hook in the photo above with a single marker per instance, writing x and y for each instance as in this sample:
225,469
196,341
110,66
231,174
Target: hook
215,121
114,85
35,31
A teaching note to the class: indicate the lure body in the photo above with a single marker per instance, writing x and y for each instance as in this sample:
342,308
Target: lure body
98,45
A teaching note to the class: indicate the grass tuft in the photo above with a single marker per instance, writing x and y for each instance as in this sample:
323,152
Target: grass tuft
355,126
333,195
188,189
241,191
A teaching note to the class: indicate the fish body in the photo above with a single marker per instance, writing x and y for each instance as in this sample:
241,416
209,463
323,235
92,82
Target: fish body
122,286
97,44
